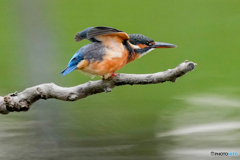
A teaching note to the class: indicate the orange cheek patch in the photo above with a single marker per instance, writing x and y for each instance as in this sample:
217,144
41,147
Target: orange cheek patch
142,46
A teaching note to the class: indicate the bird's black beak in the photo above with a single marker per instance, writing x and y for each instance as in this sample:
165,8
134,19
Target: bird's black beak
163,45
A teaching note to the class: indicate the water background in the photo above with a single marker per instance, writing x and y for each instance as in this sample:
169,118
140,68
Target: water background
184,120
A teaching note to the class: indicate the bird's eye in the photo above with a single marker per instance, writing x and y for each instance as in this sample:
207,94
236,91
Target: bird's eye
149,43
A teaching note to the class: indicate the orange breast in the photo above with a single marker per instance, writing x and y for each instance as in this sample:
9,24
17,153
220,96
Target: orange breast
107,66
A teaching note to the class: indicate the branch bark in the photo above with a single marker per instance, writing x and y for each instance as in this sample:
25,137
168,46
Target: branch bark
23,100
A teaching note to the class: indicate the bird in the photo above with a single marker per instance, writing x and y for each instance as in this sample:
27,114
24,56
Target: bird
110,49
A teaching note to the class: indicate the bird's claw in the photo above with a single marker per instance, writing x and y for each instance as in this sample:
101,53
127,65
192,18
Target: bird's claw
113,75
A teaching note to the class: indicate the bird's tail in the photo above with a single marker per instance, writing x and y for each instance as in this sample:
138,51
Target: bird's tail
68,70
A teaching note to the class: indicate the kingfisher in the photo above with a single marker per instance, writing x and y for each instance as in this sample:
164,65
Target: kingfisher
110,49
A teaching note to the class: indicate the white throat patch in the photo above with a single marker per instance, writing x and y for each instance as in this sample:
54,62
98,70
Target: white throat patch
142,54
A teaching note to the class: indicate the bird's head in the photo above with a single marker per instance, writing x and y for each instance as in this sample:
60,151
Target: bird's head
143,45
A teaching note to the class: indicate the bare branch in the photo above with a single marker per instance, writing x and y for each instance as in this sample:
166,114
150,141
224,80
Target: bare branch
22,101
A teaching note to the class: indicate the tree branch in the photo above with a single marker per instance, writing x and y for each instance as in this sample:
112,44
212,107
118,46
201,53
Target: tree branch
22,101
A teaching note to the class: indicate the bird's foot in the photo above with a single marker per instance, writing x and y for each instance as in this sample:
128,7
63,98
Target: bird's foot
113,75
109,76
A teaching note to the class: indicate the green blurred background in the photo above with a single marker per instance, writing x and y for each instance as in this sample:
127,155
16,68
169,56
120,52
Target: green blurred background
184,120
